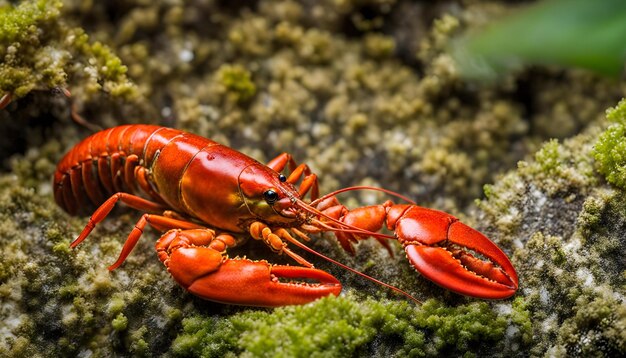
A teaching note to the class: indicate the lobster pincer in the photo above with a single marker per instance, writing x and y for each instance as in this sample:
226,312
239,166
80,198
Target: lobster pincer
193,260
439,246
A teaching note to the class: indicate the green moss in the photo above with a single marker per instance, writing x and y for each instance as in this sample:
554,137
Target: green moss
521,317
116,305
582,239
316,46
617,114
120,322
237,82
610,155
596,329
139,346
40,51
205,337
21,21
69,290
548,157
250,35
16,80
557,168
610,150
341,327
590,217
379,46
50,288
21,44
61,247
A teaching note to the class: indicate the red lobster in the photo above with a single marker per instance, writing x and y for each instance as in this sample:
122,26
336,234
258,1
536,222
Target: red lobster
209,198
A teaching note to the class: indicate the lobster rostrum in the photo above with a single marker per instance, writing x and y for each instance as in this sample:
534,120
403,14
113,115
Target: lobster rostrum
208,198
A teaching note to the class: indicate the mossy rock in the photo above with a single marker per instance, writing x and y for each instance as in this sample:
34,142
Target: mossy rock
364,94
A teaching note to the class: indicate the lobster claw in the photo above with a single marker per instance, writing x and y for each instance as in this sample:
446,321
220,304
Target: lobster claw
438,245
204,272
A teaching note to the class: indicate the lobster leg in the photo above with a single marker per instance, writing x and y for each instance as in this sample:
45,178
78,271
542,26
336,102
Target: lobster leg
158,222
133,201
196,260
369,218
276,241
309,179
438,245
5,100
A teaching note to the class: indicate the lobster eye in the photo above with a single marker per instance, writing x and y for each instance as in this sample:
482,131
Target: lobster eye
282,178
270,196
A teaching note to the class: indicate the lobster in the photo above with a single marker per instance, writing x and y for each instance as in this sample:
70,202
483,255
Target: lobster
208,198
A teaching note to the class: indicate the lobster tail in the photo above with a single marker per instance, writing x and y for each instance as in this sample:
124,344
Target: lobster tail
105,163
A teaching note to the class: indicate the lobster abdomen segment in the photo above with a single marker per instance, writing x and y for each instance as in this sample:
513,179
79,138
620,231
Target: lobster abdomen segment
107,162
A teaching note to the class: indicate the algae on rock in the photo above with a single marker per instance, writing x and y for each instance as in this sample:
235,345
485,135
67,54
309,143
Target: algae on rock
40,51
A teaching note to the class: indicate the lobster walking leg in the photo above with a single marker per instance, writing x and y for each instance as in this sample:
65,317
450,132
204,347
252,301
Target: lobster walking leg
5,100
161,223
133,201
195,261
309,179
276,241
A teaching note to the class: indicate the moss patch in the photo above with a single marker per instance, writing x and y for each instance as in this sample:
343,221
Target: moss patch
610,151
40,51
342,327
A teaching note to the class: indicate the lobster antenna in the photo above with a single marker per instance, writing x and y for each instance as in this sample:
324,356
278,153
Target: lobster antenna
342,226
74,112
348,268
363,187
